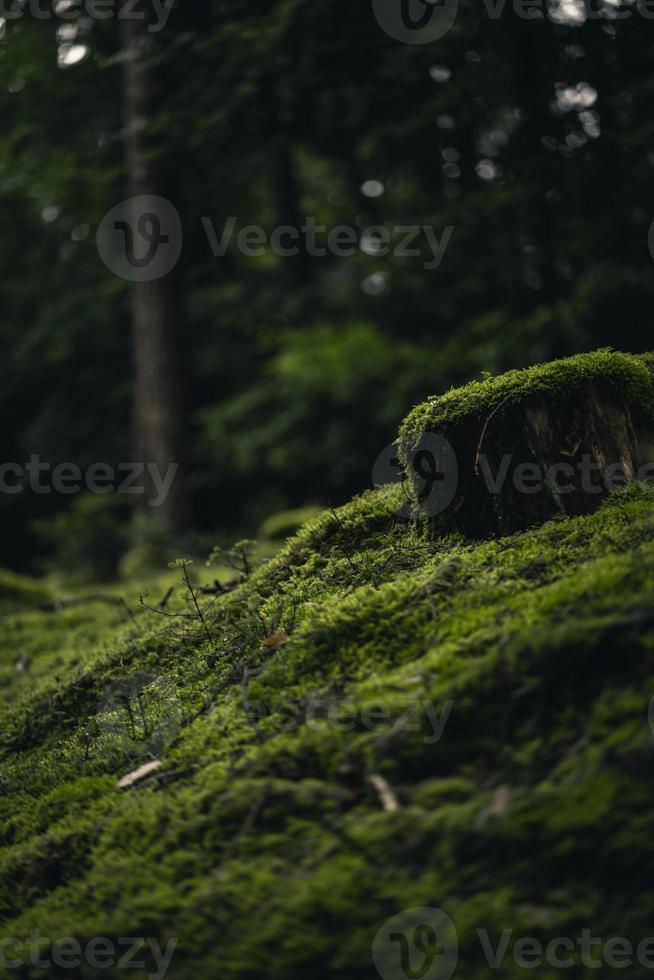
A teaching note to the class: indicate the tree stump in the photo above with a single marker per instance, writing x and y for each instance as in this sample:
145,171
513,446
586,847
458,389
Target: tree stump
509,453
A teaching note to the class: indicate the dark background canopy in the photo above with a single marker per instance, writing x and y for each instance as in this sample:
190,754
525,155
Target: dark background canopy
530,138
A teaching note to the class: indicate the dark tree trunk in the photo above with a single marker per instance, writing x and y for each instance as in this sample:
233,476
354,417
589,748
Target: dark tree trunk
155,304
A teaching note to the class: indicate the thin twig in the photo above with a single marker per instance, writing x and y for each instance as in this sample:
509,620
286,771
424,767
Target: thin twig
483,432
342,529
162,612
196,604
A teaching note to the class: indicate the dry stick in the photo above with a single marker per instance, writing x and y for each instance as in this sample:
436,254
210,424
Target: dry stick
386,795
483,432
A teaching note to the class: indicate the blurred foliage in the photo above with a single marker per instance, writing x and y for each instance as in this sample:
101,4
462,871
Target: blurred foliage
529,137
150,548
87,540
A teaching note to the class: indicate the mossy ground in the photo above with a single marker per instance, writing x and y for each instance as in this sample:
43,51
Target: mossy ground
18,592
262,842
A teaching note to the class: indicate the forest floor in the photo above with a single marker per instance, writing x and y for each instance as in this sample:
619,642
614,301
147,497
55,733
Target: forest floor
385,716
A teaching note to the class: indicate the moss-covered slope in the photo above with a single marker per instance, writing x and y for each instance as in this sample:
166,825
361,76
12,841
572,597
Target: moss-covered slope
382,717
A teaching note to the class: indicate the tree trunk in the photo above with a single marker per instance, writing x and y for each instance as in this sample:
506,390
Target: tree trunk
155,302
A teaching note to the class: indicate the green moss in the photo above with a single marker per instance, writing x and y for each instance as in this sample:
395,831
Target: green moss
282,525
648,360
500,688
629,374
19,592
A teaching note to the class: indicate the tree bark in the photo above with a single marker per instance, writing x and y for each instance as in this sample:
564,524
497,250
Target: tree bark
528,462
155,305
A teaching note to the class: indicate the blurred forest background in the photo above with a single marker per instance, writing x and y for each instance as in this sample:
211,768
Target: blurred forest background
531,138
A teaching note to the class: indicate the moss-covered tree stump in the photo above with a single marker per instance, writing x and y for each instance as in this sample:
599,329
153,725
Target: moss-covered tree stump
501,455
